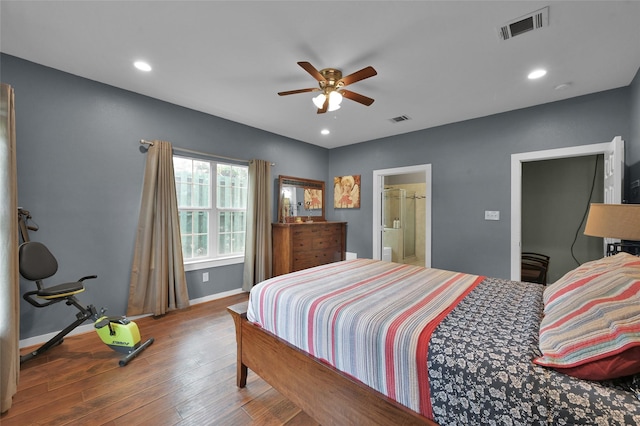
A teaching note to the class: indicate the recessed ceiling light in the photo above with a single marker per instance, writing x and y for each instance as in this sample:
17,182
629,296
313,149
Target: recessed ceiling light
142,66
537,74
325,131
562,86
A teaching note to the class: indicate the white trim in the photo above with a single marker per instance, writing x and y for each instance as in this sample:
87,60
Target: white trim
378,186
38,340
194,265
516,188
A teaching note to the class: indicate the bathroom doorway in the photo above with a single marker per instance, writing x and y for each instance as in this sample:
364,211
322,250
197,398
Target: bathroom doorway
403,218
402,215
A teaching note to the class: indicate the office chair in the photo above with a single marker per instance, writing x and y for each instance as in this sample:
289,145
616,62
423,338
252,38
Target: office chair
534,267
37,263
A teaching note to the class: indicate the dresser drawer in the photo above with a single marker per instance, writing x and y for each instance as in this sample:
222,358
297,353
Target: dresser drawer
326,242
302,244
303,232
315,230
309,259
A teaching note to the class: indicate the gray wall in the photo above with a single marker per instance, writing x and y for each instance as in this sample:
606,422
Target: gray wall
80,169
471,173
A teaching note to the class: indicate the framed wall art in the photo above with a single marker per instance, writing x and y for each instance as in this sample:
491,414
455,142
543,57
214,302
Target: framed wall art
313,198
346,192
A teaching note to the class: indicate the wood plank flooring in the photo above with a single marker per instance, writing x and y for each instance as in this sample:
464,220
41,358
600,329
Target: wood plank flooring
186,377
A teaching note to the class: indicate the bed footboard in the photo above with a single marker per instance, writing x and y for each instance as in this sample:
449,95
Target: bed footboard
324,393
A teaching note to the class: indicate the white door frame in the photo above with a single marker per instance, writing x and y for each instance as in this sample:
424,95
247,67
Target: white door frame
378,186
516,187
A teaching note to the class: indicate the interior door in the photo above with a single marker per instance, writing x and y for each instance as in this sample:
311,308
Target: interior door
613,177
383,218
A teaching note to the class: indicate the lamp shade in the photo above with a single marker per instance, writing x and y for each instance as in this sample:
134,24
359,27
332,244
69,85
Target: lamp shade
621,221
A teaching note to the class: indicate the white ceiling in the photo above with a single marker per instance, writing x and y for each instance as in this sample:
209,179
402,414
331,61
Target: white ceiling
438,62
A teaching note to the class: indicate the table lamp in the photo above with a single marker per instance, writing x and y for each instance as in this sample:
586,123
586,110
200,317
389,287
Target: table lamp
620,221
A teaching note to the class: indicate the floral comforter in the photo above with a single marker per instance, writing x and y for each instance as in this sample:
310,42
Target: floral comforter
480,368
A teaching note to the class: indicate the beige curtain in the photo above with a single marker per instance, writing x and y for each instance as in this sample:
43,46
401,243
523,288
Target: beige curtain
158,282
9,279
257,252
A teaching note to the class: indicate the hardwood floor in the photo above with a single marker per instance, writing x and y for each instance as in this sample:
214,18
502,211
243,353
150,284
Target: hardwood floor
186,377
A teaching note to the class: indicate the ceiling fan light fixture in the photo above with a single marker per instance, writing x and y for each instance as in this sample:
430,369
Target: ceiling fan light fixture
332,84
335,98
318,101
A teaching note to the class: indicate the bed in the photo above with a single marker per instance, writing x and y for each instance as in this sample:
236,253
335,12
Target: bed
369,342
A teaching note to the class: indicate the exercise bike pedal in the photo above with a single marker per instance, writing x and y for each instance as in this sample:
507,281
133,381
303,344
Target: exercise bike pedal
121,335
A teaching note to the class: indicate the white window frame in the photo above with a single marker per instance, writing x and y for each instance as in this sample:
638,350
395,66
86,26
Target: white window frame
213,260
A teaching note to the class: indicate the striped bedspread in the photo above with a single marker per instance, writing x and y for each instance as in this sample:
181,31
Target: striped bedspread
367,318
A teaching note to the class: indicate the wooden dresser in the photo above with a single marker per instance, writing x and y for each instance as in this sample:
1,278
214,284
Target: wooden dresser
299,246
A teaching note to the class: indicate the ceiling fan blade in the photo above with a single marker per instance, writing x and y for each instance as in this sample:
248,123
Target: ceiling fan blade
358,75
293,92
325,106
312,70
364,100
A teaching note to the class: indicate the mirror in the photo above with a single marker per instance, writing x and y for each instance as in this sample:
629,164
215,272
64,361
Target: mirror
300,200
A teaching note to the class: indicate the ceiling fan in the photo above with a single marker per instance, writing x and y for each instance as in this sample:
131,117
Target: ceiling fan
332,83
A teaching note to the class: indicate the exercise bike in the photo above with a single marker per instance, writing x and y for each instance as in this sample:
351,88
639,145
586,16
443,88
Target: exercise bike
36,263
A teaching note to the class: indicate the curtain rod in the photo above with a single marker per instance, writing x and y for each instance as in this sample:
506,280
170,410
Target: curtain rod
206,154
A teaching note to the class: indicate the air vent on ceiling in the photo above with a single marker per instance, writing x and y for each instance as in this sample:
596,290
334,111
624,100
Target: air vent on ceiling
400,118
532,21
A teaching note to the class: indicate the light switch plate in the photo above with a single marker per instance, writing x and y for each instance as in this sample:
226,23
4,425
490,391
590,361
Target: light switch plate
491,215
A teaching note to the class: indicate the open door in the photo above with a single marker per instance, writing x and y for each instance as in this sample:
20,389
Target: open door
613,177
613,184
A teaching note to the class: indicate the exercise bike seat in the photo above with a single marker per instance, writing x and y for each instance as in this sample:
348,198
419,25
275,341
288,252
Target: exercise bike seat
60,290
38,263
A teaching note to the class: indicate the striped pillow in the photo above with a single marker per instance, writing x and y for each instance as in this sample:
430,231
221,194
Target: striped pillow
591,323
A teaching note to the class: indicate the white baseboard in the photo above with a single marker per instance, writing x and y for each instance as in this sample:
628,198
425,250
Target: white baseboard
38,340
216,296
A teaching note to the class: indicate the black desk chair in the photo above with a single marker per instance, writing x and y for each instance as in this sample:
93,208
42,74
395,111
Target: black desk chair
534,267
37,263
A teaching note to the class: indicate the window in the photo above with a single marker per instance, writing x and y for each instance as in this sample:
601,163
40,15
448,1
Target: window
212,204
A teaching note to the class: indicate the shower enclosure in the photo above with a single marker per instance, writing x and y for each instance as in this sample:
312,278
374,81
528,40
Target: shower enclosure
399,216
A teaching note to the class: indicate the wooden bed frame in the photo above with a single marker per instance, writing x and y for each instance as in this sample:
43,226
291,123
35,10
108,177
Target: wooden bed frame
323,392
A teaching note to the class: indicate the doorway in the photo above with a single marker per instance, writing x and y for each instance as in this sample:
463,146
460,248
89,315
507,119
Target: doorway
612,183
556,195
402,214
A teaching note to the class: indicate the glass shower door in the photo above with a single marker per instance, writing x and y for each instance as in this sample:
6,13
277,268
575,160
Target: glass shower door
409,225
392,235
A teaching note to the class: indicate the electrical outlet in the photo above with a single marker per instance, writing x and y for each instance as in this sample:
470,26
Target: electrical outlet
491,215
205,277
